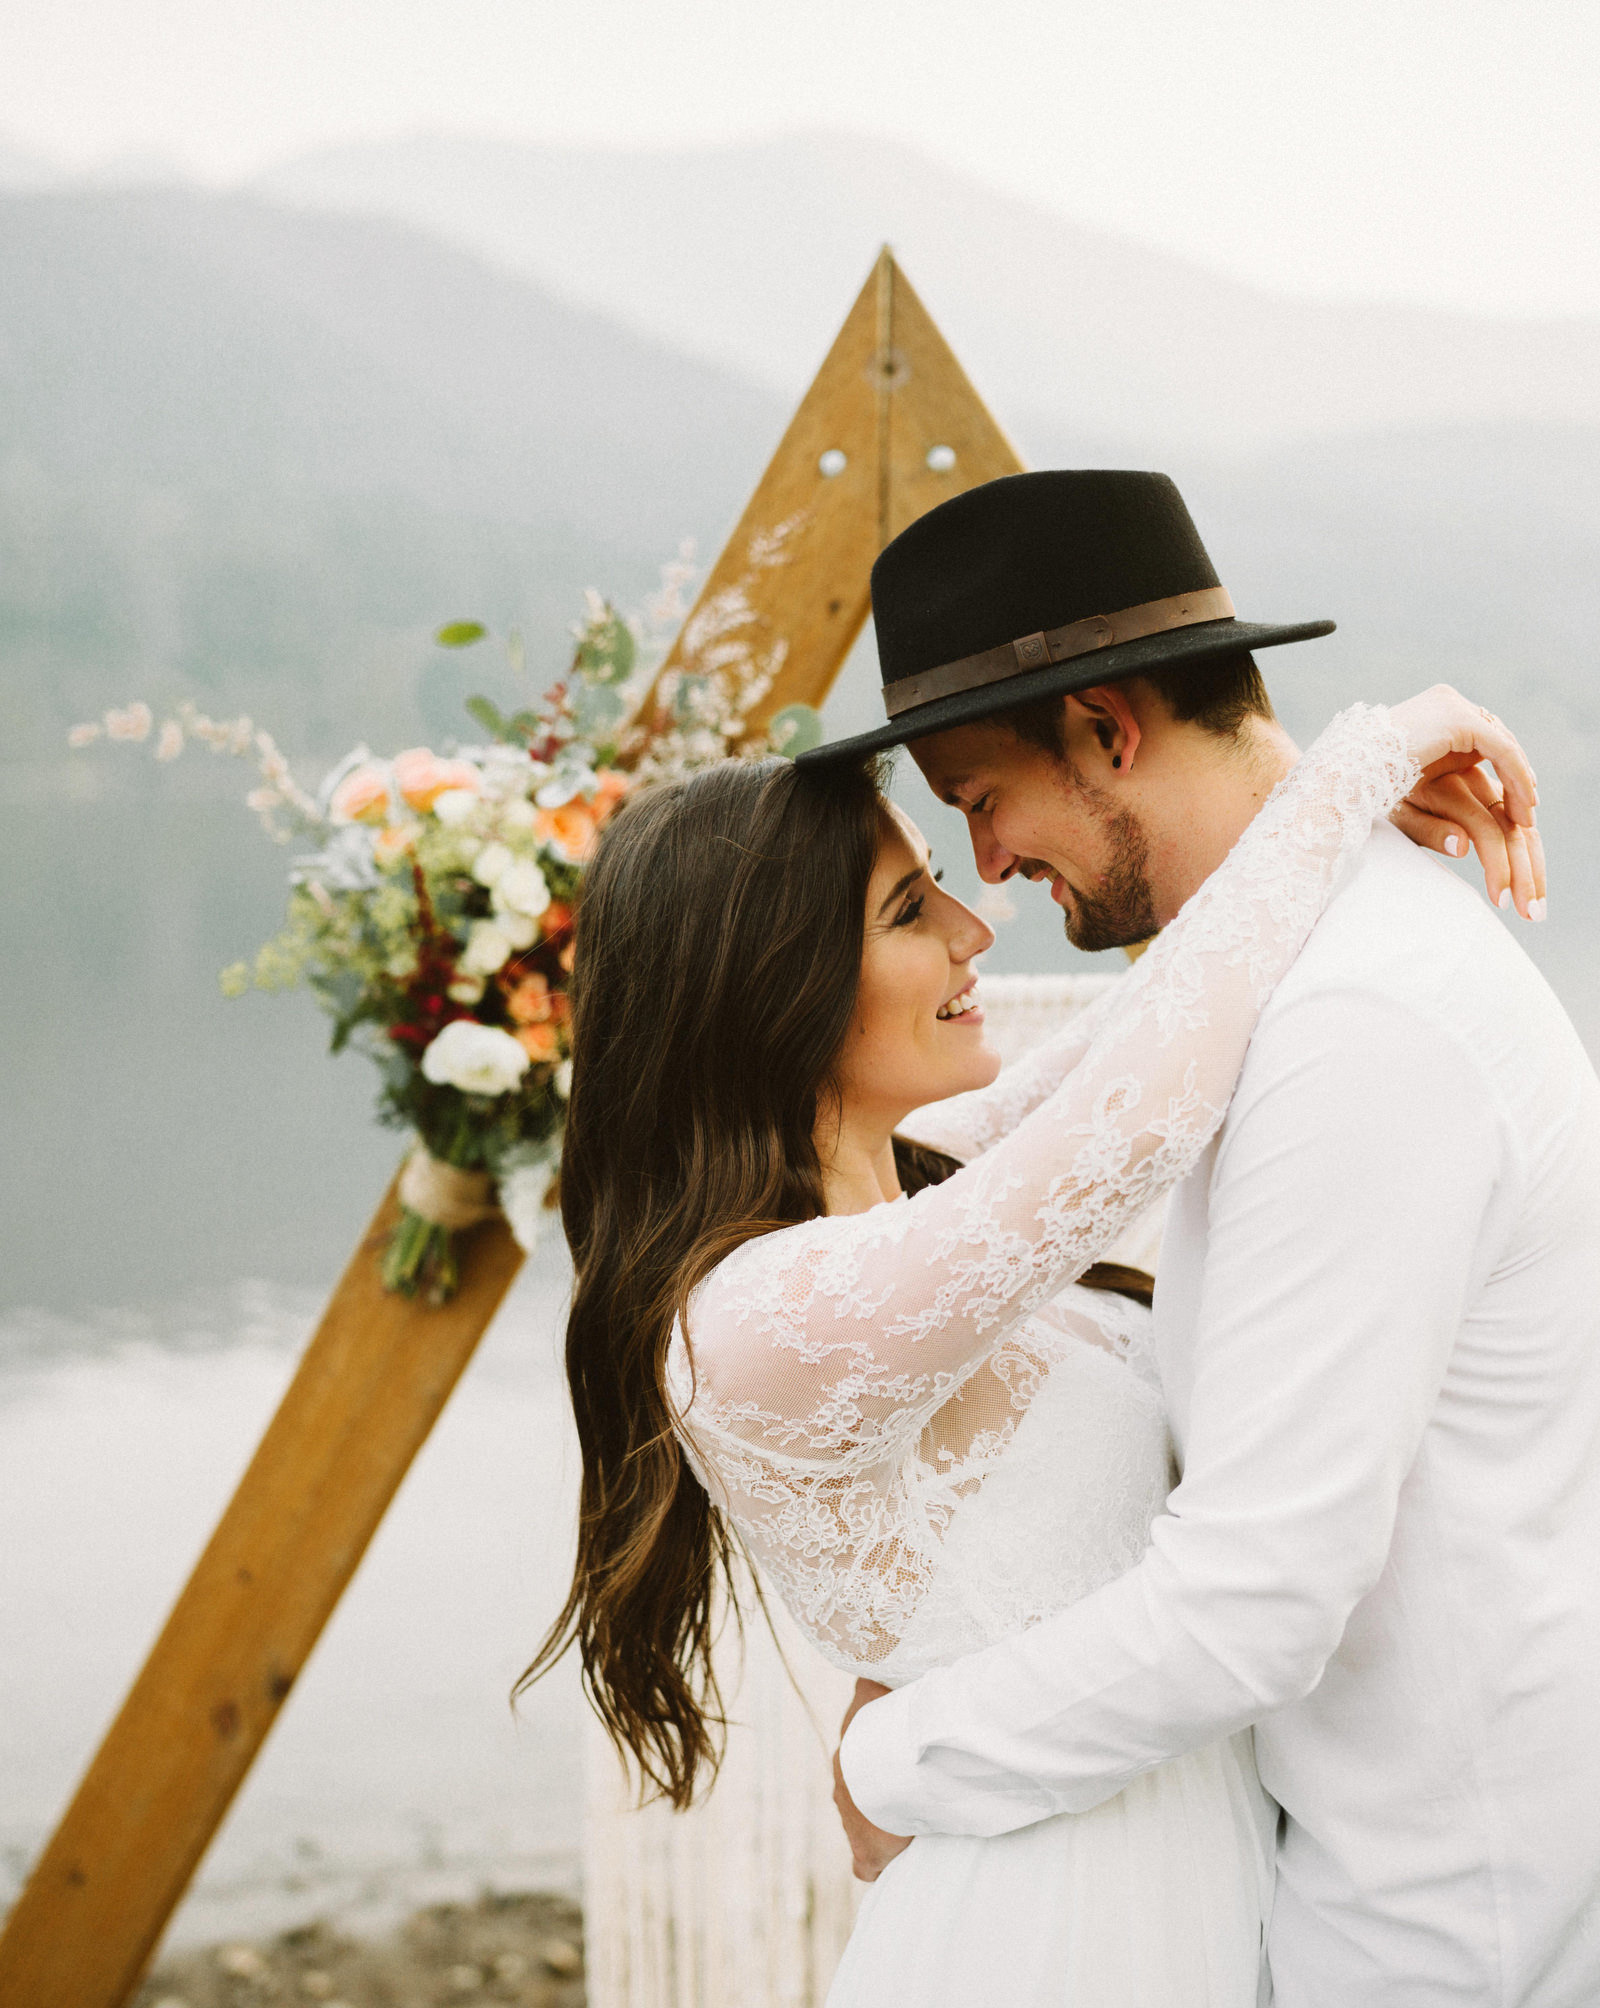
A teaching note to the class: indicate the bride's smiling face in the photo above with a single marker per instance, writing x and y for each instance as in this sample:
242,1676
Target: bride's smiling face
917,1032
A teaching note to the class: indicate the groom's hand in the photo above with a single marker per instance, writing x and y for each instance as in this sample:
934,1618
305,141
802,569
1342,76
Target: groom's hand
871,1849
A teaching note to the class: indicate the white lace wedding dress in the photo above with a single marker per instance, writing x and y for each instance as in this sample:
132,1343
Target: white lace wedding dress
928,1438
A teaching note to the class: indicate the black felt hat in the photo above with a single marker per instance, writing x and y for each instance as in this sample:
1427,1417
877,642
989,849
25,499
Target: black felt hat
1036,585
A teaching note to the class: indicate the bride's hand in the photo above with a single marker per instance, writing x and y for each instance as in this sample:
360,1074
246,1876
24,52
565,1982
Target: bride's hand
1459,800
871,1849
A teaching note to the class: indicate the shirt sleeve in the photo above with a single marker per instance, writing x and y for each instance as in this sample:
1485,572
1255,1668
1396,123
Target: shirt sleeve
1347,1233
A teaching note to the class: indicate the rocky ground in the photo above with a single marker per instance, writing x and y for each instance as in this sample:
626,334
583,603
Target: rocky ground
522,1951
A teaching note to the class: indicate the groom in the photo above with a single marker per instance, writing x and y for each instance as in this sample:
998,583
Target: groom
1377,1309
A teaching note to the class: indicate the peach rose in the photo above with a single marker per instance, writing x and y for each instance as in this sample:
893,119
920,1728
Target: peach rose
609,789
361,797
571,828
392,843
539,1042
422,777
529,1001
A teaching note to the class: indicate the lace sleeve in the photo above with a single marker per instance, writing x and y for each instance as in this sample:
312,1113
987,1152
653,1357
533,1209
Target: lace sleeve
836,1339
965,1126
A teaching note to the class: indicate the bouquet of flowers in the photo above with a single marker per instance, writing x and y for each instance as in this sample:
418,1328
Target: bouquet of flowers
430,912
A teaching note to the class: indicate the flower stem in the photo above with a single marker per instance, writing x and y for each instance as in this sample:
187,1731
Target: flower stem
420,1260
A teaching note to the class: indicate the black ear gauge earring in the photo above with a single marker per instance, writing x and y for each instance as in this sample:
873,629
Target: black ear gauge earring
1116,759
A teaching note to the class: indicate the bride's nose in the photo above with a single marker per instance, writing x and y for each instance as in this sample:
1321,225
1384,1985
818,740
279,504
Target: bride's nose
969,935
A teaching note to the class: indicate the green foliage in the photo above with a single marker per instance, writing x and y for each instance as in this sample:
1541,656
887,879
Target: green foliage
460,634
606,649
490,717
596,711
795,729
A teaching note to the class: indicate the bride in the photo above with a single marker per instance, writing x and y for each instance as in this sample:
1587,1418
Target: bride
875,1372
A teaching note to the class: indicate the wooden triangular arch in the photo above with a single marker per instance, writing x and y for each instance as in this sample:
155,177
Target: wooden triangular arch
890,426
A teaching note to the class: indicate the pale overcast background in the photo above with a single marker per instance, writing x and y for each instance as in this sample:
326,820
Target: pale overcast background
1430,150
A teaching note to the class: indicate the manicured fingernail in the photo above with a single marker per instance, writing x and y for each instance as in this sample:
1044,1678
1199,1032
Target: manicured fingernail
1454,846
1536,909
1504,901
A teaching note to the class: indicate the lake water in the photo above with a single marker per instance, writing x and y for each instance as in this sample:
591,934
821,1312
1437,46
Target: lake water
396,1773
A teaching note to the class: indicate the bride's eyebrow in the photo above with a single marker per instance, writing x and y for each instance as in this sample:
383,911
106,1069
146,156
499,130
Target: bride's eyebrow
901,885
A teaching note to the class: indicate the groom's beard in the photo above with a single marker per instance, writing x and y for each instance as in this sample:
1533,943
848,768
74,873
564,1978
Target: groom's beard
1120,912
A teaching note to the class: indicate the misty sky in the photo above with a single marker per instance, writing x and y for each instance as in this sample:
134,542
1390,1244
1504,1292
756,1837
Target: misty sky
1441,150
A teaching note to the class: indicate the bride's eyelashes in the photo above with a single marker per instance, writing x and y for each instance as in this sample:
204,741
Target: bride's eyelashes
913,908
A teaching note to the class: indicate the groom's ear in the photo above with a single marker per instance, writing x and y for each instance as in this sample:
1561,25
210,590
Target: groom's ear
1105,721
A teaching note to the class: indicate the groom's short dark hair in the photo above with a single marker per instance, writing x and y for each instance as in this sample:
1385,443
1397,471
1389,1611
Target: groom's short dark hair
1218,696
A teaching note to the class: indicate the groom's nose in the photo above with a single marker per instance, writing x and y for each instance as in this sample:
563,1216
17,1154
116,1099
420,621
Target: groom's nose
995,863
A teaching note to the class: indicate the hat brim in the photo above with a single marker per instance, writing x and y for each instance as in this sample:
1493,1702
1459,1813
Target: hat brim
1059,679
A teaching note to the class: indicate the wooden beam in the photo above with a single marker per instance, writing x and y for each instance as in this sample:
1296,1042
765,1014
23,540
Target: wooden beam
788,594
370,1387
792,587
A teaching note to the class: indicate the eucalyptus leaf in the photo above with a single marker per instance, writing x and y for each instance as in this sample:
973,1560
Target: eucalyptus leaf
606,653
460,634
595,706
794,729
488,716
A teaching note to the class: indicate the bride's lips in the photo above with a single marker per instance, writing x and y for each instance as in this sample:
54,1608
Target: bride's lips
973,1012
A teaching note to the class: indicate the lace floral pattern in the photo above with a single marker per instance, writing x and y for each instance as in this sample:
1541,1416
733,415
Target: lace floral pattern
857,1379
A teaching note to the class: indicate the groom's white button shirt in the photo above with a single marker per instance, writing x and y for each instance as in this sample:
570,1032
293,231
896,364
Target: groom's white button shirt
1378,1323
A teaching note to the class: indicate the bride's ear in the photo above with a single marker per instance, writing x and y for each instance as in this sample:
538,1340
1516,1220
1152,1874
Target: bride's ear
1111,725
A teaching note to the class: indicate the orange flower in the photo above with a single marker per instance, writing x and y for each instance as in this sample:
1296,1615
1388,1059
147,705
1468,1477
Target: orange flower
422,777
361,797
529,1001
571,828
539,1042
568,956
392,843
609,788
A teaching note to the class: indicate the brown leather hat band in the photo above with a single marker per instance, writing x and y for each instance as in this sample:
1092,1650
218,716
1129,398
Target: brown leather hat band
1035,651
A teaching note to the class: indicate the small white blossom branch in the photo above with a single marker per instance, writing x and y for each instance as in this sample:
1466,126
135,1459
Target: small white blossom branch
237,737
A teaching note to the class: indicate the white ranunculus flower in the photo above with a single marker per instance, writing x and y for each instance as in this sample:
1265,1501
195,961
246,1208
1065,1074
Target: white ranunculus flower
455,806
564,786
518,814
487,950
477,1059
466,989
516,927
522,1196
561,1080
490,862
522,888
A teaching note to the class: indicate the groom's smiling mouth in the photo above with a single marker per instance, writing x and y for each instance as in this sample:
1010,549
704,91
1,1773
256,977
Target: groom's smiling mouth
965,1005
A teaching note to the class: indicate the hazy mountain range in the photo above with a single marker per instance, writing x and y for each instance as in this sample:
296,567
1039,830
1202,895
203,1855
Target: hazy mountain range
238,442
254,447
746,253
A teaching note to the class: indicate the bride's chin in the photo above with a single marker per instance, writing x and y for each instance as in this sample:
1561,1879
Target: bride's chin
977,1070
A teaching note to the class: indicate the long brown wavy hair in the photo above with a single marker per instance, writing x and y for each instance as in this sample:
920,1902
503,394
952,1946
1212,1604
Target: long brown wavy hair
719,941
